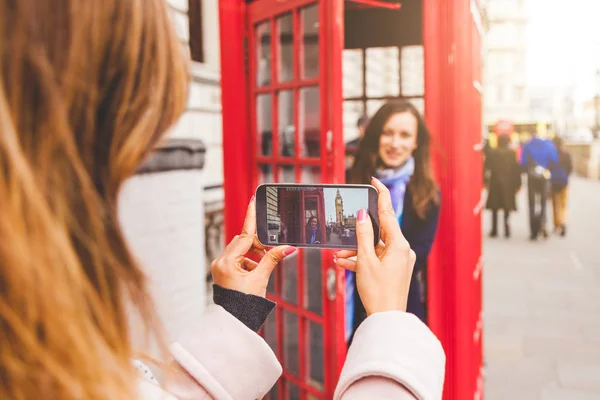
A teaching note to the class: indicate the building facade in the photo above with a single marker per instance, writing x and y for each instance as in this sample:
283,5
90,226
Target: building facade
505,89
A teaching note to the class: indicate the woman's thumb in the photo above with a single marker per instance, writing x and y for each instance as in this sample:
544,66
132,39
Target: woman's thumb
274,257
364,233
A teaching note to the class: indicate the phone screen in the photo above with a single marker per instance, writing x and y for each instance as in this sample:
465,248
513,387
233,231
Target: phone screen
313,215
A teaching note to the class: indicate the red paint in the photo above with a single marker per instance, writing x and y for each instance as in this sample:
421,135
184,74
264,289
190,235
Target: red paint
377,4
452,48
453,112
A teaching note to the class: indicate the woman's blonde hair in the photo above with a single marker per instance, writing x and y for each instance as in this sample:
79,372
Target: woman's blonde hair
87,88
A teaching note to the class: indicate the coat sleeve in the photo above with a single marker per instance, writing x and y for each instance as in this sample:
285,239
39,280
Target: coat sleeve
393,356
221,358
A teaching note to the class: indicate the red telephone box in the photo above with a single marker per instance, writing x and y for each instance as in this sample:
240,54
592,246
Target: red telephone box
284,110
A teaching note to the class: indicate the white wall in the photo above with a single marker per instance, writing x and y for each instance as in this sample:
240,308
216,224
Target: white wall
173,219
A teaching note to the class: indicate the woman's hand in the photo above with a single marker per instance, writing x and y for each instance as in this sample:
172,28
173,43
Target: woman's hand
233,270
383,273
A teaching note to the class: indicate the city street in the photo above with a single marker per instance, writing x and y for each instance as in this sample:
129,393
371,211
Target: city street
542,306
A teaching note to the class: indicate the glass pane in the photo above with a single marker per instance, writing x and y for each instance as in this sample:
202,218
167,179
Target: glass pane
373,106
285,108
412,71
285,55
353,110
289,286
352,73
310,121
311,175
271,284
313,281
263,53
287,174
270,331
293,391
264,126
419,104
274,393
315,361
312,397
310,41
383,72
290,342
265,174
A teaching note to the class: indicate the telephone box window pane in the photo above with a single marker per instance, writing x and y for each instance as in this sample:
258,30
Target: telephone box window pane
315,351
264,125
274,393
287,130
311,175
290,342
271,284
293,391
289,269
419,104
310,41
353,110
270,331
352,73
285,55
310,121
313,281
373,106
265,174
287,174
263,54
412,71
383,79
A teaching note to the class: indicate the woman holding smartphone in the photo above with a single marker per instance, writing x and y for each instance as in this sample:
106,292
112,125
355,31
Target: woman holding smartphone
87,89
396,150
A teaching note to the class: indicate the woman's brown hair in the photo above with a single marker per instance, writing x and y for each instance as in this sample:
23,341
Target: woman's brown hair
422,186
87,89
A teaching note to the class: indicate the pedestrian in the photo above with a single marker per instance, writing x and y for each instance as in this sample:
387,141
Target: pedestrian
87,90
396,150
560,186
538,158
504,182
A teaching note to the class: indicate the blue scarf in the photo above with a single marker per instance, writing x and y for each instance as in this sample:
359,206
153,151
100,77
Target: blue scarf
313,238
396,180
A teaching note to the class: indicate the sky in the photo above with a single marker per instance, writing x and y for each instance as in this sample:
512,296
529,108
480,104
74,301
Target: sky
354,199
563,41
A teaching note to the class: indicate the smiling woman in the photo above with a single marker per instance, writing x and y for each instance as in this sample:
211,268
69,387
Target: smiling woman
396,149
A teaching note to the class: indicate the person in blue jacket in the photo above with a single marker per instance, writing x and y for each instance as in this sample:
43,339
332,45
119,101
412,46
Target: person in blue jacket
539,159
396,150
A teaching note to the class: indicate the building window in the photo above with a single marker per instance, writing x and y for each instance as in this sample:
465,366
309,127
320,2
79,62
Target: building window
196,37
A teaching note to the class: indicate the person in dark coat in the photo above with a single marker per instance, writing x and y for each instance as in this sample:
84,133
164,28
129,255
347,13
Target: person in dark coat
503,183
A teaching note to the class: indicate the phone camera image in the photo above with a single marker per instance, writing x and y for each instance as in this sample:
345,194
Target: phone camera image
314,216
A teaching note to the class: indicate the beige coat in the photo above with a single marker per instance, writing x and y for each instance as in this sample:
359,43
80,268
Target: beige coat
393,356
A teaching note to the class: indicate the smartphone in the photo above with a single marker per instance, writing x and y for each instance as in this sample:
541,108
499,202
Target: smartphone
314,216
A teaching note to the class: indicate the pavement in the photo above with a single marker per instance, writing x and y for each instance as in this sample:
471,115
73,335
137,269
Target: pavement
542,305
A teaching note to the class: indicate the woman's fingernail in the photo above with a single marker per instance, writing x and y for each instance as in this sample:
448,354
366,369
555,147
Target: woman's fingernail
335,258
362,215
375,179
252,199
289,251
